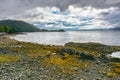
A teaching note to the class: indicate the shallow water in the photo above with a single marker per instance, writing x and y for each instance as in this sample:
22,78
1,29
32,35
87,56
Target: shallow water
115,55
60,38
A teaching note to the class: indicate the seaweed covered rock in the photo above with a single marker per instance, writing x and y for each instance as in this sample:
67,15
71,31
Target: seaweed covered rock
82,55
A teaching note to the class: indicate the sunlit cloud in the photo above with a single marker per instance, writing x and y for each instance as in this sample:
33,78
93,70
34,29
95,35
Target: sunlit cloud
72,18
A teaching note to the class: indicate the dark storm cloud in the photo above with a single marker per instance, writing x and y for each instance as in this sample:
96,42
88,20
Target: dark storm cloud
112,17
13,7
63,4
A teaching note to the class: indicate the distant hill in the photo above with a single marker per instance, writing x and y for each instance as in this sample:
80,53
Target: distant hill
116,29
19,26
109,29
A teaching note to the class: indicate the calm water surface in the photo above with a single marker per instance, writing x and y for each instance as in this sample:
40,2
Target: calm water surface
60,38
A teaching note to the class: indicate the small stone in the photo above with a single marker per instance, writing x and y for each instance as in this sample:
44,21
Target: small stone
75,68
99,79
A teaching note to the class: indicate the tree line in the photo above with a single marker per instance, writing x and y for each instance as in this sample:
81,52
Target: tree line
7,29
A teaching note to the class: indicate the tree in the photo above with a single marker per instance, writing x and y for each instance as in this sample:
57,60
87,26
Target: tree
2,29
7,29
12,30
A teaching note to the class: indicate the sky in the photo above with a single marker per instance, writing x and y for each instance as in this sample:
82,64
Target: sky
63,14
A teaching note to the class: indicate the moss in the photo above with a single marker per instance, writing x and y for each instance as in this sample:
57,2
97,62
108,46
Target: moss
111,74
117,70
33,55
117,64
67,64
95,49
71,51
30,49
8,58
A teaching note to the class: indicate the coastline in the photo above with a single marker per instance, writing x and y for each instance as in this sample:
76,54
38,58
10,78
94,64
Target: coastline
72,61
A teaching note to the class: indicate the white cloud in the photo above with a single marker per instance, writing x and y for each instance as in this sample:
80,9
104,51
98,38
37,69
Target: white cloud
73,17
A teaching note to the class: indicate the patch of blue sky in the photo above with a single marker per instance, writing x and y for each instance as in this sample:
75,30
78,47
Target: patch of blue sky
83,24
55,12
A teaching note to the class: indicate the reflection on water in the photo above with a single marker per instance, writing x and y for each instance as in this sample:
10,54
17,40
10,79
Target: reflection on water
60,38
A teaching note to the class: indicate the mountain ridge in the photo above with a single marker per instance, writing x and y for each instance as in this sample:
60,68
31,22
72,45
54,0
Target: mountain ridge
19,26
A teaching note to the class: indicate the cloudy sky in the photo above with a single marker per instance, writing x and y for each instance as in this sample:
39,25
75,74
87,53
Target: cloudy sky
63,14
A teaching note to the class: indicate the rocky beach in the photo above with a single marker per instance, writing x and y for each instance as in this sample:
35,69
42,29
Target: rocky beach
74,61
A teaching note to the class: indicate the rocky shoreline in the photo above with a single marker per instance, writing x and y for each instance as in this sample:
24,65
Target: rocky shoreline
45,62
